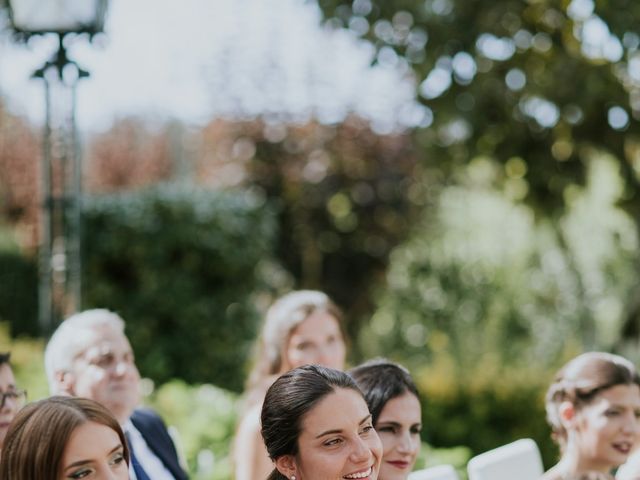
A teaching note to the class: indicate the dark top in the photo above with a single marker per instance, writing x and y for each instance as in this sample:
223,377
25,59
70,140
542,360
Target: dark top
154,432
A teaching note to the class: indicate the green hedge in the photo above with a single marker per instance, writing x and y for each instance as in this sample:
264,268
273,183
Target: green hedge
19,293
182,266
483,409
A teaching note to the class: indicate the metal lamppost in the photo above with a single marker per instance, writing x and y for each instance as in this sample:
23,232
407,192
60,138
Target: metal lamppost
60,252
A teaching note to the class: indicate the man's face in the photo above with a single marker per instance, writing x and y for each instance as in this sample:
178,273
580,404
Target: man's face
106,372
11,405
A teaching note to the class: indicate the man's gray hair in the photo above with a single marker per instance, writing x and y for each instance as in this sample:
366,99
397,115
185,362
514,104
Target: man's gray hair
73,336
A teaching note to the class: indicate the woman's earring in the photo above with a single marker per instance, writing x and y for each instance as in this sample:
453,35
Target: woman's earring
293,477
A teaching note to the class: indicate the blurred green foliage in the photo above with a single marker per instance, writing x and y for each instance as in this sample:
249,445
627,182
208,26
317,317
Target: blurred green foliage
485,301
489,405
535,80
202,419
345,198
27,360
183,266
482,276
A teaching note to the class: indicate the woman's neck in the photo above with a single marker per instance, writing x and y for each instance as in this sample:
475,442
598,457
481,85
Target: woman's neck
573,464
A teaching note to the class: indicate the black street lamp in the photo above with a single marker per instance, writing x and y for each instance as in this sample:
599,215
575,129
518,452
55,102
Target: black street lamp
60,251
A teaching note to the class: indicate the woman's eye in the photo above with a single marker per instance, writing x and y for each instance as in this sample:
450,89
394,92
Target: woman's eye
117,459
612,413
416,430
80,474
387,428
332,442
367,429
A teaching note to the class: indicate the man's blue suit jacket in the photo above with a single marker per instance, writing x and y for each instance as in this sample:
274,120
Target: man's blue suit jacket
154,432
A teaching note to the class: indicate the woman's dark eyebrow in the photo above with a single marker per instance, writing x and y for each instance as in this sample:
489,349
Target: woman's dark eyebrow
368,417
331,432
389,422
84,462
397,424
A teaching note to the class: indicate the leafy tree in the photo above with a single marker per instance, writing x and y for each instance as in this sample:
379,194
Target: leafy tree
345,197
531,84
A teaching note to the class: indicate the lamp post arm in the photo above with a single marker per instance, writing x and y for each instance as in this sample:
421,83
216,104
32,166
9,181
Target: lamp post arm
60,60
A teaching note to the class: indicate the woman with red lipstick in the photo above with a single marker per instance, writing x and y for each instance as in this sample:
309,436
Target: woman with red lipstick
393,401
316,426
593,407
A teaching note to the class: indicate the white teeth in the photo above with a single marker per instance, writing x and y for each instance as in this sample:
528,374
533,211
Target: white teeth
359,475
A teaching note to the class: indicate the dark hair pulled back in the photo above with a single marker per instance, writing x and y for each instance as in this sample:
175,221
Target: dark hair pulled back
289,399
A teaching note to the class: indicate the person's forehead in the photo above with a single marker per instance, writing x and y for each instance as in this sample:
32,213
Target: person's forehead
343,409
618,395
90,440
404,407
106,339
319,322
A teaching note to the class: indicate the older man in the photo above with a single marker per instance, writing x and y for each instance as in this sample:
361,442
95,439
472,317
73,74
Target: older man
90,356
11,397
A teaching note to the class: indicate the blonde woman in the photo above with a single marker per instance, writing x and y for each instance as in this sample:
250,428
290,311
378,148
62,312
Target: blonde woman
302,327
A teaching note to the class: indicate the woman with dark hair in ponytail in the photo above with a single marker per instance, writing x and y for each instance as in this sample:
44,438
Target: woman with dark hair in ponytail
316,426
393,401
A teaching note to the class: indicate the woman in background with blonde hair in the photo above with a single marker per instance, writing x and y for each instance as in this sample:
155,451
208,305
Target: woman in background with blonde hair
301,328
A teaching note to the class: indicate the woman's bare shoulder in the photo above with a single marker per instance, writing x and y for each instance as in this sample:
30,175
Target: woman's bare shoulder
554,473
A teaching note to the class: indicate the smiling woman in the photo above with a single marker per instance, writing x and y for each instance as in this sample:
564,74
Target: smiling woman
62,438
593,407
316,426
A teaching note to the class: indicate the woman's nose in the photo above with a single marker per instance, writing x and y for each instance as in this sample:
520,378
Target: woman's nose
361,452
405,445
632,424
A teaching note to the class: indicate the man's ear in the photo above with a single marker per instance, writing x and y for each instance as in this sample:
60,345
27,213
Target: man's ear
66,382
567,412
286,465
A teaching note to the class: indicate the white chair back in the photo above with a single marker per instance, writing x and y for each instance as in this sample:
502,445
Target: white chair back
518,460
441,472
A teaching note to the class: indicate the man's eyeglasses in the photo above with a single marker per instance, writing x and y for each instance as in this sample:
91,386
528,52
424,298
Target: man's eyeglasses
17,397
